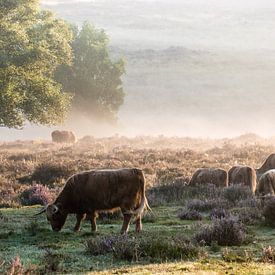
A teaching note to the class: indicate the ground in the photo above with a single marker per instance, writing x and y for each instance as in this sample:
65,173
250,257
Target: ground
168,164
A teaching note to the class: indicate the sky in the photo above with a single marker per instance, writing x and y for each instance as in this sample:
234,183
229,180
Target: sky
194,67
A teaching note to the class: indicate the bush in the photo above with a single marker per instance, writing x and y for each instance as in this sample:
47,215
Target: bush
37,194
101,246
189,214
242,256
268,254
49,173
204,205
269,211
170,249
248,215
226,231
219,213
133,249
237,192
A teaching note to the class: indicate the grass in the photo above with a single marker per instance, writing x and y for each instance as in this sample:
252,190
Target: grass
32,240
168,164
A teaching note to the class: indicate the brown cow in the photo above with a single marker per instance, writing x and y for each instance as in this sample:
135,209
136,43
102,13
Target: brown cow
266,185
243,175
63,136
215,176
99,190
268,164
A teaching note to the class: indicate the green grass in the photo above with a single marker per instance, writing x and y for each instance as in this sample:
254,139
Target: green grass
29,237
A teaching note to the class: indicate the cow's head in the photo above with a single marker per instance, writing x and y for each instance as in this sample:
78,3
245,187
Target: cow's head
55,215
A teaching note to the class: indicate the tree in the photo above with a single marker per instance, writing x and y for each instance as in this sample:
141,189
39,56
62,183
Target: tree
94,79
32,44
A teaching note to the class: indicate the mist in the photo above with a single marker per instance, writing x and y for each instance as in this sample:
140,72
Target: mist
194,67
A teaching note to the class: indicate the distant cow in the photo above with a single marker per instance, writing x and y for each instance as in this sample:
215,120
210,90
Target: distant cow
215,176
63,136
243,175
93,191
268,164
266,185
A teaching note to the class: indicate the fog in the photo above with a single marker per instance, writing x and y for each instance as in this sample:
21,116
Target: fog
194,67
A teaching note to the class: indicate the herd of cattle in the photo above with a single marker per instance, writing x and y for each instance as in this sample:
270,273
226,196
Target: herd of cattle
261,181
90,192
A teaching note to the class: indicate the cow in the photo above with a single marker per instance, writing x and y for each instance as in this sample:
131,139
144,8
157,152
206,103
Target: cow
63,137
266,185
215,176
268,164
245,175
90,192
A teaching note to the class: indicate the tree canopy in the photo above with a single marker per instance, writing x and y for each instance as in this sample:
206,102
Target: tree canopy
94,79
33,43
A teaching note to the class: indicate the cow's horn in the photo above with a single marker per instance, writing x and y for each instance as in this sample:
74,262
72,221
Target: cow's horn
55,209
41,211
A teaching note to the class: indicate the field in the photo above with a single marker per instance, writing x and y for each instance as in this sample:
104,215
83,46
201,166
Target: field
177,235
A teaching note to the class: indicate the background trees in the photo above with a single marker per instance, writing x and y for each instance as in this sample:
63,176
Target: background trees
94,79
32,44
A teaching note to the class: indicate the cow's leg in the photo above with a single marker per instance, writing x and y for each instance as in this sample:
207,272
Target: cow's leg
93,217
138,224
79,218
126,222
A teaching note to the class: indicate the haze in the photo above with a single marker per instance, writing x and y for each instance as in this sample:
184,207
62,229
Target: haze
194,67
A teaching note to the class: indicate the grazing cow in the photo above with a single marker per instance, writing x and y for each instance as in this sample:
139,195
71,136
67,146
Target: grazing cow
215,176
93,191
266,185
63,136
268,164
243,175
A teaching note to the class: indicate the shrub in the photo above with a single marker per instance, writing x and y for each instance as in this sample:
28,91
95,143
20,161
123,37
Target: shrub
100,246
242,256
37,194
48,173
237,192
269,211
16,267
219,213
189,214
226,231
268,254
133,249
204,205
170,249
248,215
52,262
126,248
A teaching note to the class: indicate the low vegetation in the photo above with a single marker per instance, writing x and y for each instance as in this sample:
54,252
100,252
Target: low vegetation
190,229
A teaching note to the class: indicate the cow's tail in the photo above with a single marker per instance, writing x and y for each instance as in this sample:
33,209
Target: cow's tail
144,205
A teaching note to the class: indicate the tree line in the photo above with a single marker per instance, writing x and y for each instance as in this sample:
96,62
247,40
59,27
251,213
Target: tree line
49,67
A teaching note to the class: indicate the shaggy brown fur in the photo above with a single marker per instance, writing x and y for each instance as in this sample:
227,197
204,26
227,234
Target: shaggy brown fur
243,175
266,185
97,190
268,164
63,136
215,176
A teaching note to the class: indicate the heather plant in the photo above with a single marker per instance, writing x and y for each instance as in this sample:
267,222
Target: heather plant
205,205
227,231
237,192
219,213
51,172
269,211
189,214
240,256
37,194
268,254
248,215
